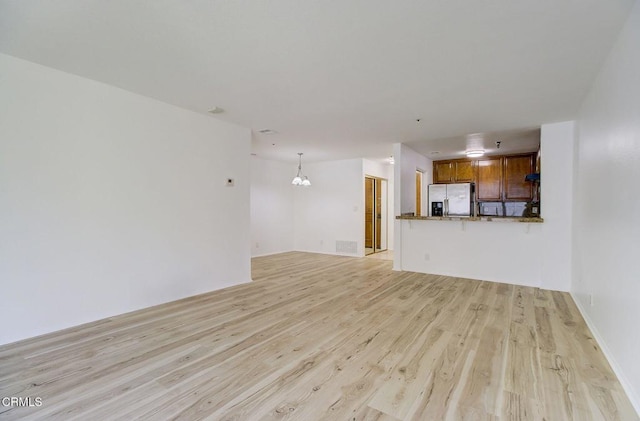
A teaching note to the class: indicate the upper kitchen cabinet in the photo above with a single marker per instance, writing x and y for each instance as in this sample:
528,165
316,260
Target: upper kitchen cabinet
516,167
497,178
463,171
453,171
442,172
489,179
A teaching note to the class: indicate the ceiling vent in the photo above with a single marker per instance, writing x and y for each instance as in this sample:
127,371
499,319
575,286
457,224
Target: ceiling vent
267,131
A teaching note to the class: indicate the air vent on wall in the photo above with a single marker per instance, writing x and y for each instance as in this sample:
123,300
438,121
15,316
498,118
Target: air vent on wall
267,131
350,247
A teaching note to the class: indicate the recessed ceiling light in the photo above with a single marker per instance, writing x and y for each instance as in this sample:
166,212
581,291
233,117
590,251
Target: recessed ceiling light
474,153
267,131
216,110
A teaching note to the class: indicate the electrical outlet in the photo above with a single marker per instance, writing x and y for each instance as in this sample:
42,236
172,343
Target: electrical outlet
427,256
257,245
591,300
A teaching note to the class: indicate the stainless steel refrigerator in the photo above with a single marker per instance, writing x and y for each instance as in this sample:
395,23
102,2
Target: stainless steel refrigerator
451,199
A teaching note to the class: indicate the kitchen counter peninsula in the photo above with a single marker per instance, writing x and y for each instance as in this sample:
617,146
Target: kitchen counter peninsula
489,248
472,218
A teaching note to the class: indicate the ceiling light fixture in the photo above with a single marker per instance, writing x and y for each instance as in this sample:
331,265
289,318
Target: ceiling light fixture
299,179
216,110
474,153
391,160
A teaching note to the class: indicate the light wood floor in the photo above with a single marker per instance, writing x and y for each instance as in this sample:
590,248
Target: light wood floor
326,338
384,255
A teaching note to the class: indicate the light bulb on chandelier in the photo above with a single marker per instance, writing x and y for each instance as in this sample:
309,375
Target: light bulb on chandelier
299,179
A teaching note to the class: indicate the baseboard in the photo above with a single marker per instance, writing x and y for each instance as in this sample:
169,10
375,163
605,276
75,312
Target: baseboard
330,253
271,253
628,389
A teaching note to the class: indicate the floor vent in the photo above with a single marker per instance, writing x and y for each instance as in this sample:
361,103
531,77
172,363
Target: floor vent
350,247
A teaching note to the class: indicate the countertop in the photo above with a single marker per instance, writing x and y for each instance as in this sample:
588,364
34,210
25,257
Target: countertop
472,219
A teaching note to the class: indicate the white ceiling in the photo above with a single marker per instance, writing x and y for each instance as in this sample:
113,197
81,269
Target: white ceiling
511,142
335,78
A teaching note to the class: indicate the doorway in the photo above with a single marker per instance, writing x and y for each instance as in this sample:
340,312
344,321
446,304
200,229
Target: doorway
418,193
375,215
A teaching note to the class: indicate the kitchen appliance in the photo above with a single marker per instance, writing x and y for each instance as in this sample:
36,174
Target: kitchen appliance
451,199
533,208
437,208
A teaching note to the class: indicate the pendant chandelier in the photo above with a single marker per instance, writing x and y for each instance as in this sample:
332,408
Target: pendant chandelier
299,179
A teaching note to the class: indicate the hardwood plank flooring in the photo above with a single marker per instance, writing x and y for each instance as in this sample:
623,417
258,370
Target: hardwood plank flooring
319,337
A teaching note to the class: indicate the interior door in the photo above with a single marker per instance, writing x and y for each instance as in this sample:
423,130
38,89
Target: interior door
418,193
381,215
369,196
375,215
378,212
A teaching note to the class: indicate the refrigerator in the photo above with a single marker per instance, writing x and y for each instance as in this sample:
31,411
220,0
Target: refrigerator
451,199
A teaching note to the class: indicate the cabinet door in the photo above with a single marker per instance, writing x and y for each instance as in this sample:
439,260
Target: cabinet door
489,179
515,169
463,171
442,172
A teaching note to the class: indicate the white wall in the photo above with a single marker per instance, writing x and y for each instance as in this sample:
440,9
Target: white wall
607,227
110,201
285,217
377,169
404,200
556,203
271,206
331,209
408,162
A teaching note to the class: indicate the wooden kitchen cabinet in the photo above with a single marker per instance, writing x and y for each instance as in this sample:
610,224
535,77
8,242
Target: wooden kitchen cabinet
463,171
516,167
497,178
489,179
454,171
442,172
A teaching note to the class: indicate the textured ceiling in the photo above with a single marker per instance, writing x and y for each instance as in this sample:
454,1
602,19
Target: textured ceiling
335,79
